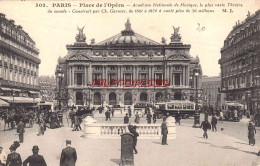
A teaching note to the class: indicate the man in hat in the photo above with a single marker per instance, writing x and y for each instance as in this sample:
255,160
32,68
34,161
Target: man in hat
20,130
14,158
68,155
126,119
35,159
133,131
164,131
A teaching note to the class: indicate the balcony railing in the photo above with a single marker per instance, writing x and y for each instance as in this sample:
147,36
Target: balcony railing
19,84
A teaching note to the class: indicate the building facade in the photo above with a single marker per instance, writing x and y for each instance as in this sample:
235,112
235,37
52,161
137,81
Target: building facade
211,95
128,68
240,62
19,63
47,88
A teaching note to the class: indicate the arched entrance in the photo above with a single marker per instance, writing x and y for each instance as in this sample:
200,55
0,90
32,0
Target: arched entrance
143,97
177,95
97,98
128,98
112,98
79,98
159,97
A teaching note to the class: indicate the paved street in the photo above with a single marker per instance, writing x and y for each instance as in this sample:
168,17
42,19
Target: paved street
189,148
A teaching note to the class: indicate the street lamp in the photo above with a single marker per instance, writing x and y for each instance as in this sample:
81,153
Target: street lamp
60,77
89,86
13,94
197,114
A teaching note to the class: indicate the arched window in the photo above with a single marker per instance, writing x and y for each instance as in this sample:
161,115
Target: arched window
79,98
112,98
128,98
97,98
143,96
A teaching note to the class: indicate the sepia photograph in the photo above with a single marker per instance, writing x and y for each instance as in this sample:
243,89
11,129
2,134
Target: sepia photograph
130,83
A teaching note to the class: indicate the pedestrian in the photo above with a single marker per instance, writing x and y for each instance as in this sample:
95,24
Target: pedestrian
149,118
178,118
206,114
221,116
154,117
205,126
251,133
126,119
129,111
214,122
60,117
41,125
35,159
71,115
14,159
164,131
68,155
107,113
3,157
20,130
137,118
76,123
112,111
132,130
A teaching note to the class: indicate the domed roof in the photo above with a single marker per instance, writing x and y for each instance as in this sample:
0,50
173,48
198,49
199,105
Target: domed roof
128,36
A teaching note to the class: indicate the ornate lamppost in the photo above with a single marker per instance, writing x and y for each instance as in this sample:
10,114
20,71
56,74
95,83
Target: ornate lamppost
60,77
196,72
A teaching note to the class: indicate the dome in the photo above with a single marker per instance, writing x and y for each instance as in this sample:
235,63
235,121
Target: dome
128,36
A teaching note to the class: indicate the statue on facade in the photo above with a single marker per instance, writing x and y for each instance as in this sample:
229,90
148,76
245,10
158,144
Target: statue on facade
176,37
80,36
163,40
92,41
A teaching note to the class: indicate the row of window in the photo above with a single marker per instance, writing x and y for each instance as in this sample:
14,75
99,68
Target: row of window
12,31
241,35
17,77
113,77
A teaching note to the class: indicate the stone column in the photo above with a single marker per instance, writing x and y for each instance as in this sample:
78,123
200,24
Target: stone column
73,76
183,75
90,74
85,83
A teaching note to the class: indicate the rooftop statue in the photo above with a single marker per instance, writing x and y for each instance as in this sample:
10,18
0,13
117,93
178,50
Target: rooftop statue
176,37
80,36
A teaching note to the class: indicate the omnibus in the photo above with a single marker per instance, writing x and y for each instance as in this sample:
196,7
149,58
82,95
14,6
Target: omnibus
228,110
48,105
185,108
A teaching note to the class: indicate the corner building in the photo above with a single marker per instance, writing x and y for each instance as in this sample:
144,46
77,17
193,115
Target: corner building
127,56
240,63
19,64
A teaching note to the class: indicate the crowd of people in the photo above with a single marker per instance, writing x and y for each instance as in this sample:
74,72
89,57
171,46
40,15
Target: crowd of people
68,156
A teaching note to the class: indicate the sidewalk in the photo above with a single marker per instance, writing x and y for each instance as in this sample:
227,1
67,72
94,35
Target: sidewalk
188,149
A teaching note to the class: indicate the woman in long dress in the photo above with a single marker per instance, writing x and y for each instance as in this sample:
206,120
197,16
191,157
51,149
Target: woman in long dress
251,133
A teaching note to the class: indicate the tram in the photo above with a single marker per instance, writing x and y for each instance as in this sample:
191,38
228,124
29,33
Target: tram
185,108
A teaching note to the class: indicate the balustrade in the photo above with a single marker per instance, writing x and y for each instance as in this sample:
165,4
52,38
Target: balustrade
146,131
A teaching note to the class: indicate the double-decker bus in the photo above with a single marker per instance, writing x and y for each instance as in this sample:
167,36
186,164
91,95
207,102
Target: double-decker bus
185,108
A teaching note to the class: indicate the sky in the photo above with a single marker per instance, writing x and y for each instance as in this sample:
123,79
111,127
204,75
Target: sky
52,32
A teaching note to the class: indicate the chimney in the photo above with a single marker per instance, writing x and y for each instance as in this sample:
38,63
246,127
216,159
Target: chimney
19,27
2,15
11,21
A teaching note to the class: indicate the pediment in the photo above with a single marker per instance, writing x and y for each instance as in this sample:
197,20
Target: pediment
178,57
79,57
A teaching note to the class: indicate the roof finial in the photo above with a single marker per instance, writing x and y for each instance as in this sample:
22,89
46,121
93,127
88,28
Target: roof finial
128,25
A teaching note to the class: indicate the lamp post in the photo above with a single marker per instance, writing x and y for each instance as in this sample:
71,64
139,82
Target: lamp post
60,77
197,114
89,86
13,99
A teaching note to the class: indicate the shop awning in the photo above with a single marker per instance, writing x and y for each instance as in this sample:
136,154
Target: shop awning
17,90
20,99
6,89
3,103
